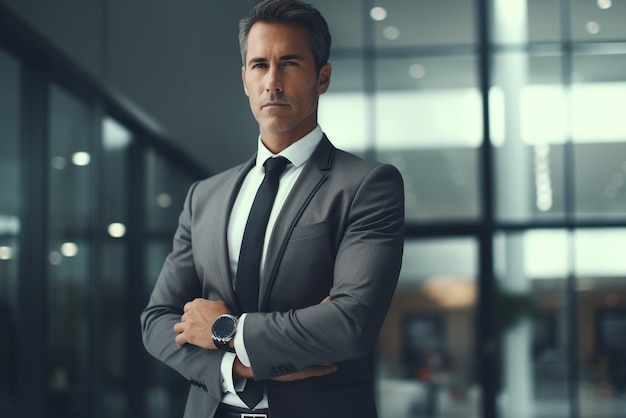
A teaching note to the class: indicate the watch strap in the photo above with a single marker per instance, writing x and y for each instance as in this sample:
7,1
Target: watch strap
223,346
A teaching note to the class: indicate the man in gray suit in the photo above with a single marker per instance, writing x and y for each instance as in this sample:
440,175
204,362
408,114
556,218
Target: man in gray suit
291,332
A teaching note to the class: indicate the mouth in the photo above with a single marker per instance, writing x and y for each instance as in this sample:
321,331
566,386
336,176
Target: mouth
274,104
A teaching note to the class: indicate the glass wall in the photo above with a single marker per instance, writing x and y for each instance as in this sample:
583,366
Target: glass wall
524,184
112,229
554,346
426,362
70,249
87,193
600,270
10,206
164,196
533,269
559,139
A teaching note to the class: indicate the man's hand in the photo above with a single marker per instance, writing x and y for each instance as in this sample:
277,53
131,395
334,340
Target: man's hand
196,322
242,372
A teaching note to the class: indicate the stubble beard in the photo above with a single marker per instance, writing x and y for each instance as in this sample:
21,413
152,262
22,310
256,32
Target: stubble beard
277,125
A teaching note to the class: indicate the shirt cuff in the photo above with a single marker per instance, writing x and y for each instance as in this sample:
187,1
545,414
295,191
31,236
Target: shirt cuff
226,368
240,347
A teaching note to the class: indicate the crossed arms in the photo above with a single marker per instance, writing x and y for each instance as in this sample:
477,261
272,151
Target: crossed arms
361,279
195,328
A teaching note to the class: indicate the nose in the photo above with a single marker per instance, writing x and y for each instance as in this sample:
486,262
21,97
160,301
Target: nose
274,81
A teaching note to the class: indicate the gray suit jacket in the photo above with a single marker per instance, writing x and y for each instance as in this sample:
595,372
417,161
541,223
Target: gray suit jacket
340,233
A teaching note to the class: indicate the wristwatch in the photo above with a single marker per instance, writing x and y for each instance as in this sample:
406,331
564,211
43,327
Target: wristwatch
223,330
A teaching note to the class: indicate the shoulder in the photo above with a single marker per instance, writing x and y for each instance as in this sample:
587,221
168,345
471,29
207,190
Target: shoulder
218,186
221,177
346,164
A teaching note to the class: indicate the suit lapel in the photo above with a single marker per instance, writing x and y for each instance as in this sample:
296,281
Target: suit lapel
310,180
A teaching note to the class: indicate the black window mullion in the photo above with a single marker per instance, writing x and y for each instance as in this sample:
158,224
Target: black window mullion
487,335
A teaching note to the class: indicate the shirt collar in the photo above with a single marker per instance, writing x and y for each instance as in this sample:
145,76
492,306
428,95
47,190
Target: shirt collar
297,153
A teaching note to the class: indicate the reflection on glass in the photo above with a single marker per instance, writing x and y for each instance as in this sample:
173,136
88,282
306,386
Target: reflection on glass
116,140
165,193
69,243
425,355
166,189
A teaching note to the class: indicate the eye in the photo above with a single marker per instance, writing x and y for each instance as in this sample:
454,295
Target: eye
259,65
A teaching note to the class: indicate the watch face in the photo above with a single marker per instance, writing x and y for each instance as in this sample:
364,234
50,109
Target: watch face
224,327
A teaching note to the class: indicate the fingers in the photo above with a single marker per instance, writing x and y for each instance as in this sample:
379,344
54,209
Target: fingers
197,301
179,329
326,299
196,322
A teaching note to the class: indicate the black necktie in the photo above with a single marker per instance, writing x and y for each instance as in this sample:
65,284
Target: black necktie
248,268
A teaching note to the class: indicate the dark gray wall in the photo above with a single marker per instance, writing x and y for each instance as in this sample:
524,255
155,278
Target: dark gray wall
177,60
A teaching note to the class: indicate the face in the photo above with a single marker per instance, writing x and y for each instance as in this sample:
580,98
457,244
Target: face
280,81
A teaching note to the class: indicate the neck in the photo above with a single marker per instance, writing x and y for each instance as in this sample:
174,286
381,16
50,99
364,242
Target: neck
278,141
277,144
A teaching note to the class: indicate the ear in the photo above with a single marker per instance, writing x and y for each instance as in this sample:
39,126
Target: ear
323,80
243,80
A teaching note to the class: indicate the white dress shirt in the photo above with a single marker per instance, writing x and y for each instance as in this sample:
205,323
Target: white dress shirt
298,154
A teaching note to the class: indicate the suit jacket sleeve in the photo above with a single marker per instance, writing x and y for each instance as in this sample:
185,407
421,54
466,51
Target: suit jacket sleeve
365,269
178,284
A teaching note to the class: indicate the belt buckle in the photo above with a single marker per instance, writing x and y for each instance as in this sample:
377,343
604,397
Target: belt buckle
253,415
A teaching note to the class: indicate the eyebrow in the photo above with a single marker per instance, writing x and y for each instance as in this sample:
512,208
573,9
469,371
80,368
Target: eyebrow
288,57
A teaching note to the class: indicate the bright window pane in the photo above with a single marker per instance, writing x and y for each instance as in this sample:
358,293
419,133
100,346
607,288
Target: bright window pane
426,347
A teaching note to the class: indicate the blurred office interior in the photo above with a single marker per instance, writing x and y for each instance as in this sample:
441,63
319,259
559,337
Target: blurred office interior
507,119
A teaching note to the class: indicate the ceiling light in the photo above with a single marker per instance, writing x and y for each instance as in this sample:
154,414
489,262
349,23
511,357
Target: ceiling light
117,230
605,4
69,249
417,71
5,253
114,135
391,32
81,158
378,13
592,27
55,258
58,163
164,200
